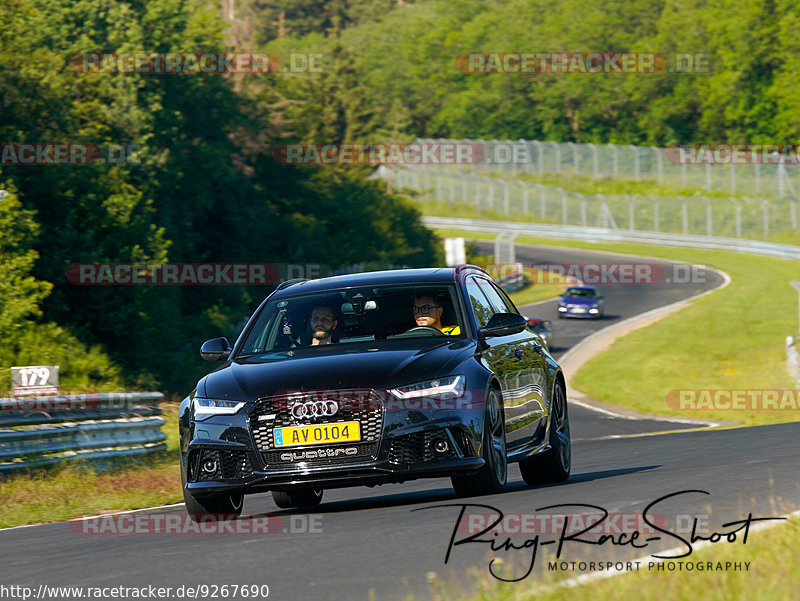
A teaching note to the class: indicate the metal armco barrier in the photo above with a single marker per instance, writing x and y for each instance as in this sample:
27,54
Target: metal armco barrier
39,431
590,234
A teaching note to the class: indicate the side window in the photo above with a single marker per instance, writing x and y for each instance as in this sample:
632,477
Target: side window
495,296
480,305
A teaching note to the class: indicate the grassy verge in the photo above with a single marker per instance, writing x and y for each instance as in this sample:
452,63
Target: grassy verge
773,574
732,339
71,490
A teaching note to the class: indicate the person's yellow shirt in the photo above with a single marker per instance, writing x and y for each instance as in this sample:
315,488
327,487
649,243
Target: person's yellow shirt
451,330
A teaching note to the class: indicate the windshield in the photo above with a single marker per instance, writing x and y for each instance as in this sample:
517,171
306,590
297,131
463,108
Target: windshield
581,293
371,313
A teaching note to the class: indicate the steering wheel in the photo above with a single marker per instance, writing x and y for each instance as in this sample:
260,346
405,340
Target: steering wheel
424,330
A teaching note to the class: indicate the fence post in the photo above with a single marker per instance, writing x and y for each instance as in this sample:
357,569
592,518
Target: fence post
563,206
506,199
583,210
733,177
792,213
636,169
708,177
684,216
491,190
557,146
539,157
575,158
659,165
757,168
615,160
655,213
524,197
595,164
709,225
631,222
765,213
542,201
738,217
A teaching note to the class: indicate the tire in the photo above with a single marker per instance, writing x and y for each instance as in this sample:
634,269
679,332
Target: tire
225,504
302,497
491,478
554,464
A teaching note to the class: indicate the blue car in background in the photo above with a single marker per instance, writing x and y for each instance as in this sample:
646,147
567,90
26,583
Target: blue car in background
580,301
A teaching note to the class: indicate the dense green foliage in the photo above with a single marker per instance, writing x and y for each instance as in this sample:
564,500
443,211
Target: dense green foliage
205,190
749,94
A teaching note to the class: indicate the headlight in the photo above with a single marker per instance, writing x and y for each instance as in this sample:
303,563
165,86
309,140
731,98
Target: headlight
451,387
562,309
594,310
205,408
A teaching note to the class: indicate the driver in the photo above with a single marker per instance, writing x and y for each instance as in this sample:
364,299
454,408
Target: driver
428,312
321,323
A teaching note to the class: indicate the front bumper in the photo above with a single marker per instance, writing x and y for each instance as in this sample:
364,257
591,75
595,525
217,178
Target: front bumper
395,446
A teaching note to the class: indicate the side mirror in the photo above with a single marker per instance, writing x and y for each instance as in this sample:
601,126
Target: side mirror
216,349
503,324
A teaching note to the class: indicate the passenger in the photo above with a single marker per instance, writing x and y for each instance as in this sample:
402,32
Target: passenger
428,312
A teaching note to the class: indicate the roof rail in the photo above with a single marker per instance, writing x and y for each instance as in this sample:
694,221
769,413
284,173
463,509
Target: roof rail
465,266
291,282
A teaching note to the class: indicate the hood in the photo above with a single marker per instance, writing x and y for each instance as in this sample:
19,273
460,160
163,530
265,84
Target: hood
356,365
581,301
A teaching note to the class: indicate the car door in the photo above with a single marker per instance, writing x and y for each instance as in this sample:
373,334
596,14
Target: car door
517,360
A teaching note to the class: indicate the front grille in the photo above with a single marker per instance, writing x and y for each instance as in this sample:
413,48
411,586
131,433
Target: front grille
231,465
366,407
417,447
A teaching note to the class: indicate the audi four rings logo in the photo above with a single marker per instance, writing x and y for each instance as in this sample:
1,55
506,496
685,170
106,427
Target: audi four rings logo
314,409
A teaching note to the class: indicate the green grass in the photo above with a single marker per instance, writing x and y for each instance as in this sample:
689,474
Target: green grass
774,575
732,339
71,490
586,184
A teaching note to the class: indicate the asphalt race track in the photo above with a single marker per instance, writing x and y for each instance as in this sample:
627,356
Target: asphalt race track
374,539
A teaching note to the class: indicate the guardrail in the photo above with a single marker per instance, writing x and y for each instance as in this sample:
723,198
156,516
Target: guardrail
44,430
591,234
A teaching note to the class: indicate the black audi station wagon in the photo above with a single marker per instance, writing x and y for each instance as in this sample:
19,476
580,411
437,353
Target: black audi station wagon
337,382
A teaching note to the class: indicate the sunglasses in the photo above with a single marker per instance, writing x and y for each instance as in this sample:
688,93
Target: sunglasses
424,309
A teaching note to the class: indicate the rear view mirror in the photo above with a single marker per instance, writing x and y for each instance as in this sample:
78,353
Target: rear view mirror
503,324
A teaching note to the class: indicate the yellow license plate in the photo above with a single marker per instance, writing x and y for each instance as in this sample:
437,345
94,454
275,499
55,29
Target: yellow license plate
315,434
